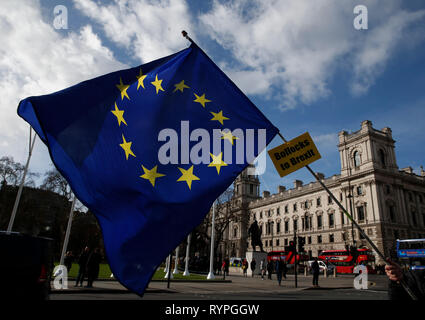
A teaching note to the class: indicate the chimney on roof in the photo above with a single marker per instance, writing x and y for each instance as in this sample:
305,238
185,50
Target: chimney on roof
298,183
281,189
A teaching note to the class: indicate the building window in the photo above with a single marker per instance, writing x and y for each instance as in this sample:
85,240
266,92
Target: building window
331,220
286,226
318,202
357,160
331,238
285,242
278,227
387,189
286,209
319,222
319,239
329,200
360,213
342,218
306,204
251,189
359,190
392,213
235,232
295,207
295,224
261,214
268,213
340,196
277,243
309,240
382,157
277,211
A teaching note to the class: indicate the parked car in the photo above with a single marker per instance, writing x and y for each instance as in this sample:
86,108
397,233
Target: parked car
26,266
329,267
235,262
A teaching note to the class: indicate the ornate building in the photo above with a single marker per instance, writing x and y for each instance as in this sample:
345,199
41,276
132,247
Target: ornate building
386,202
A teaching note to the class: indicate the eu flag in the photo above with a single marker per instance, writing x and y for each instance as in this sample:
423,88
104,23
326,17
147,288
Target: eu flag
148,150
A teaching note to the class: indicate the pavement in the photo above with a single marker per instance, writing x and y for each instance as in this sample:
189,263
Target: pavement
235,287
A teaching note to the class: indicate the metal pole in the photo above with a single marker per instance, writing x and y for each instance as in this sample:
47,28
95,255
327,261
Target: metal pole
18,196
211,273
186,264
374,247
169,273
295,257
68,231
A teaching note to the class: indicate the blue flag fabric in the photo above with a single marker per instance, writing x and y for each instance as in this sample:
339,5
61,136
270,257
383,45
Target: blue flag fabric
133,146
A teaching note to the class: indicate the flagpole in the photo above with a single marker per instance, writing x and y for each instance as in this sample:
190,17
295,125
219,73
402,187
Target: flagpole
186,264
18,196
211,273
176,261
68,232
381,255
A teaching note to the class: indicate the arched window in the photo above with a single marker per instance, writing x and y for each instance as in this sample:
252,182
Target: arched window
357,160
382,157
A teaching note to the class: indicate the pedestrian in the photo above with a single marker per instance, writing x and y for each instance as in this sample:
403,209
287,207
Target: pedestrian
284,269
67,261
93,267
262,269
316,271
270,268
245,267
279,270
82,264
414,279
226,266
253,265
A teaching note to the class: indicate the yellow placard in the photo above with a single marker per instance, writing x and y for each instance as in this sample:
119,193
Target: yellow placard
294,154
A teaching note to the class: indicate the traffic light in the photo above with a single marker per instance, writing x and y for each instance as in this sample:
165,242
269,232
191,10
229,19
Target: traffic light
301,243
292,246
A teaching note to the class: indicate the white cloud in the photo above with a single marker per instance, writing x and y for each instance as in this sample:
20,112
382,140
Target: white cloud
35,60
148,29
293,48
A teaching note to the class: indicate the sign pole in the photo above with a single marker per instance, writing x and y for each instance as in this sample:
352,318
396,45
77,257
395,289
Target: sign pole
295,258
402,282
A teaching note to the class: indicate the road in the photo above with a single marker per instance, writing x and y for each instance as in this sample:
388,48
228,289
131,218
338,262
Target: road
340,288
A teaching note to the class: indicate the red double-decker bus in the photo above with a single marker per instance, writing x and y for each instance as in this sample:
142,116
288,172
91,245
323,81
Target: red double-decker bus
346,260
287,256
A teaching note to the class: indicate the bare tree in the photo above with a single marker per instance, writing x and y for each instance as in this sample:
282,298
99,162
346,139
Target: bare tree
224,215
55,182
11,172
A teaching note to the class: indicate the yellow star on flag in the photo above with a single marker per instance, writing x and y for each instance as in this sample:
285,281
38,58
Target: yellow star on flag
151,175
119,114
180,86
157,83
228,136
140,78
123,88
219,117
188,176
127,147
217,162
201,99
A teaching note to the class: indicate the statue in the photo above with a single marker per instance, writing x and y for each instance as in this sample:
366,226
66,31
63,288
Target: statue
254,232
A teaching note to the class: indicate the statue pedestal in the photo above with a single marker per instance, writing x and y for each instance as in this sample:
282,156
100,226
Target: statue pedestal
258,256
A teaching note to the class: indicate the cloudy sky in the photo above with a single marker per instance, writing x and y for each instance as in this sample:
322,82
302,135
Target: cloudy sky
301,62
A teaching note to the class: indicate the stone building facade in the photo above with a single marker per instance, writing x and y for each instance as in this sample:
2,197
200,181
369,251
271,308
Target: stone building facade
386,202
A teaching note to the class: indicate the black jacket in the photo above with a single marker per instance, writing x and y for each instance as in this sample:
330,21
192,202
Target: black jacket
415,281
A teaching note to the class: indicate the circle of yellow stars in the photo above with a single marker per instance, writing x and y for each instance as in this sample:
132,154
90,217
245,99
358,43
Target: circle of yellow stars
187,175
